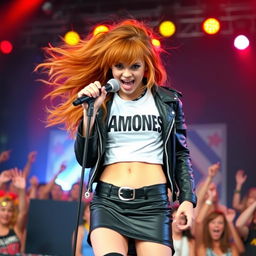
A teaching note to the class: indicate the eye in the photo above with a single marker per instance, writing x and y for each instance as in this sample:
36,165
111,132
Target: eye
135,66
119,66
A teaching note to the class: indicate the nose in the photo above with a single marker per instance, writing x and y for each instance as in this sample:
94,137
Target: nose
127,73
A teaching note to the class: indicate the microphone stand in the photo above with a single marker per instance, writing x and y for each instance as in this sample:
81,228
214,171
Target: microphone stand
90,111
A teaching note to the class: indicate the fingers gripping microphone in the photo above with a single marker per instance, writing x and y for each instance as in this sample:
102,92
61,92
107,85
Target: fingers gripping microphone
111,86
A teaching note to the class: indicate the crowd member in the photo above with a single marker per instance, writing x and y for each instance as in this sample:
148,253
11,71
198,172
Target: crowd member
32,191
74,192
214,230
26,169
57,192
183,240
31,159
238,203
83,248
51,190
13,213
5,155
215,235
137,138
4,178
246,225
204,186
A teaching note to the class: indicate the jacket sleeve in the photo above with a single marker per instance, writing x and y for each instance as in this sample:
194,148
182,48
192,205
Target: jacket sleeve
92,147
183,171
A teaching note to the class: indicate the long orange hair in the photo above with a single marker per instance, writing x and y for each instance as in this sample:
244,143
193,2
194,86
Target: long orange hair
71,68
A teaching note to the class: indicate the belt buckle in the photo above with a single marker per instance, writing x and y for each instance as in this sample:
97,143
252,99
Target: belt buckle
123,198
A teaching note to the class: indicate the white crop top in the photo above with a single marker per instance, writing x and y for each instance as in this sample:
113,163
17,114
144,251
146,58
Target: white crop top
134,131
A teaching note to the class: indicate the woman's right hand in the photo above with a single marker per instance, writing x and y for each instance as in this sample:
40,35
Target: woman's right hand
213,169
5,176
96,91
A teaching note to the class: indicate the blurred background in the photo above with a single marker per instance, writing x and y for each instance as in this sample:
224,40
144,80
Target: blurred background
206,61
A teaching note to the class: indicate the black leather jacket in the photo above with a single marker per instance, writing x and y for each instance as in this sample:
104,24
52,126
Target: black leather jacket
177,164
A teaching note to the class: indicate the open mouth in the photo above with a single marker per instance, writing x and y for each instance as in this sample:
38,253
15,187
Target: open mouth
127,84
216,232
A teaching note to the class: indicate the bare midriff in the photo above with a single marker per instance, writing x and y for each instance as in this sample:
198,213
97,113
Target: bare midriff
133,174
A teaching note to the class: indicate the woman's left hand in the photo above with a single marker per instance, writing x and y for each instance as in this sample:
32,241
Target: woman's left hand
185,209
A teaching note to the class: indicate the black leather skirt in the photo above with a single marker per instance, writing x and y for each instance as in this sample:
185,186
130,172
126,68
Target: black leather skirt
138,214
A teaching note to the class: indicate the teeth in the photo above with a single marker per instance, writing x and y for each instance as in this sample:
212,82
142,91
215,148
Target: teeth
127,82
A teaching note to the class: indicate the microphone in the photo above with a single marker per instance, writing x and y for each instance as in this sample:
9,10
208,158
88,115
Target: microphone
111,86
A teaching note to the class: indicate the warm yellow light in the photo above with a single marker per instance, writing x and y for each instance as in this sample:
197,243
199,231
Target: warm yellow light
211,26
72,38
156,42
100,29
167,28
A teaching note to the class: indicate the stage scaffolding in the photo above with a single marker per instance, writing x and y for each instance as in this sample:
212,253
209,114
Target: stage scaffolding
81,16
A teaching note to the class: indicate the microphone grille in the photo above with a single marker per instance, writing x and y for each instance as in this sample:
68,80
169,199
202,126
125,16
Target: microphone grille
115,85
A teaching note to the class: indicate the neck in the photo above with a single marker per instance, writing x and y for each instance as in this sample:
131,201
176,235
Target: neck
4,229
216,244
141,94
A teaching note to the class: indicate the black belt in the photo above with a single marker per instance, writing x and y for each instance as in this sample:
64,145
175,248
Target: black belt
127,193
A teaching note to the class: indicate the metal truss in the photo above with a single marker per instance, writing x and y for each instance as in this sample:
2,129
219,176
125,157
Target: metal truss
234,18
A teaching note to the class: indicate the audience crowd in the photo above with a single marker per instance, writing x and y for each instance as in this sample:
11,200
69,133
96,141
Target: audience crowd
217,230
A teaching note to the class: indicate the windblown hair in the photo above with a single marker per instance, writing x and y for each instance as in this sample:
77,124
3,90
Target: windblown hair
224,239
70,68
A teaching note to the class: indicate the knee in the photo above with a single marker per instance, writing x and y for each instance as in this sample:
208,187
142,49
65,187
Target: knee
113,254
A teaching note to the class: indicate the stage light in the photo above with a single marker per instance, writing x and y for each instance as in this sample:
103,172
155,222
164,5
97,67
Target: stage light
6,47
100,29
155,42
211,26
47,7
72,38
241,42
167,28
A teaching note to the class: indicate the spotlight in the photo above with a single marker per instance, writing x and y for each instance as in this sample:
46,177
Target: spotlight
47,7
72,38
241,42
167,28
211,26
156,42
100,29
6,47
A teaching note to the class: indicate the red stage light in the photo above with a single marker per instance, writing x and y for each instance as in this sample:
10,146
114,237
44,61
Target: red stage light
16,13
6,47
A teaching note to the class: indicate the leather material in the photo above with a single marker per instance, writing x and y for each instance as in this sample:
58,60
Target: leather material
141,219
106,189
177,164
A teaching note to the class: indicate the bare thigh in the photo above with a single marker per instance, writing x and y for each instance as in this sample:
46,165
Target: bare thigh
144,248
105,240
